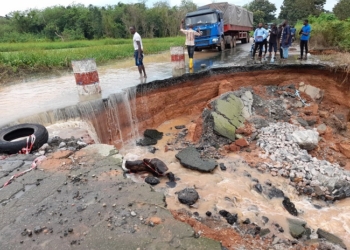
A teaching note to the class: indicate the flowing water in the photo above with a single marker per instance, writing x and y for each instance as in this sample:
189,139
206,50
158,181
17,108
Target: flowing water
33,96
233,190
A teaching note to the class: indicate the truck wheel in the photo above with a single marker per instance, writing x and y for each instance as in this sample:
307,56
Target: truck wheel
248,38
244,40
222,45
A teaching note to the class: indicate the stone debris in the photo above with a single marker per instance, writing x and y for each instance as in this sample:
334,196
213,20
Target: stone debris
291,161
306,139
190,158
188,196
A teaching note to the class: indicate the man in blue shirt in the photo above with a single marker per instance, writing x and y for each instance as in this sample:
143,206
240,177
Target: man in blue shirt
304,39
286,40
260,35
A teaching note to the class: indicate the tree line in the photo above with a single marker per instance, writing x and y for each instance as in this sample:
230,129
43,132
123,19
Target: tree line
77,21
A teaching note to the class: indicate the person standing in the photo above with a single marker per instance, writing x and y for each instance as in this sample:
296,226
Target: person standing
266,27
138,51
292,32
279,34
304,39
259,36
190,35
286,39
273,42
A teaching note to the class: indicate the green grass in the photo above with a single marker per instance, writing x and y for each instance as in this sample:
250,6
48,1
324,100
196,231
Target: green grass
50,55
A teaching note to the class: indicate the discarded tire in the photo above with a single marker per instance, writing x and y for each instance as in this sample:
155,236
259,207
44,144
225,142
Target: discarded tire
8,136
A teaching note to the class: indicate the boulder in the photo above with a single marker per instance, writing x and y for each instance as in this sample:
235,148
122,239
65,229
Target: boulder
242,142
152,180
306,139
190,158
330,237
247,100
227,115
315,93
188,196
296,227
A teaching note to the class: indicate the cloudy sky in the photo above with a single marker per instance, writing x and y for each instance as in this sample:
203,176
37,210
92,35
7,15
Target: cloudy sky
8,6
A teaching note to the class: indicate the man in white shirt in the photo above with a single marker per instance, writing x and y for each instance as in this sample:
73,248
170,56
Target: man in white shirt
190,34
138,51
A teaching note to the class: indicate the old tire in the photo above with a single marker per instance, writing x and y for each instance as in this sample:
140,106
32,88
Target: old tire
8,136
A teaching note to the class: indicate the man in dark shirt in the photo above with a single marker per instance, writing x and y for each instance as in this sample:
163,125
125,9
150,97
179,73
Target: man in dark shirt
273,42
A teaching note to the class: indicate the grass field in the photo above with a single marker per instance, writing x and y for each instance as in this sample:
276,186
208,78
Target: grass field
43,56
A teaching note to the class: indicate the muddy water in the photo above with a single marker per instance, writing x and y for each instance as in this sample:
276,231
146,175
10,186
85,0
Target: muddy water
233,191
38,95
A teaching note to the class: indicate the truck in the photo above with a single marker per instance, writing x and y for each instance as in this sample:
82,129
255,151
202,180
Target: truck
220,25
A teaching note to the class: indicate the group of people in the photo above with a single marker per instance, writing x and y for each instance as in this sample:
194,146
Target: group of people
280,39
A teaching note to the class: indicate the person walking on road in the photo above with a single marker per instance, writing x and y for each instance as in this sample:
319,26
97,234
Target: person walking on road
286,40
190,35
266,27
138,51
279,34
304,39
259,36
273,42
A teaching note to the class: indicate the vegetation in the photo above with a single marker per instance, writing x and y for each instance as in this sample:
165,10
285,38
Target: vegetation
294,10
342,9
78,22
328,31
22,58
263,11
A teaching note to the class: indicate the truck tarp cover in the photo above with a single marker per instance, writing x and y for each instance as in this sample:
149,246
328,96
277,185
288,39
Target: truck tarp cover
233,14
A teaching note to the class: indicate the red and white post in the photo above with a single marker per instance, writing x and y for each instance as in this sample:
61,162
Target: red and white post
86,76
177,60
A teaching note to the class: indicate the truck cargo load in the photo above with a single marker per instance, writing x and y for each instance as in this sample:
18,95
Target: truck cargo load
221,25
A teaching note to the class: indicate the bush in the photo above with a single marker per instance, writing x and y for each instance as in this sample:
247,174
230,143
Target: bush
328,31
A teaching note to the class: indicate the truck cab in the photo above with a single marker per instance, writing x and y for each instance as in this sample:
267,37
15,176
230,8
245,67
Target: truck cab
211,25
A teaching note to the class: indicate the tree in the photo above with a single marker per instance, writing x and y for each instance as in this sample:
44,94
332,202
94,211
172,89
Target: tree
263,11
342,9
294,10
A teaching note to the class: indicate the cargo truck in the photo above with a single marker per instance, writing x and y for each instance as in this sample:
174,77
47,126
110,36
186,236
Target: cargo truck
221,25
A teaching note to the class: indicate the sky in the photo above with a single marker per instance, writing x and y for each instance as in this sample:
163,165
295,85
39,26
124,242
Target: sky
21,5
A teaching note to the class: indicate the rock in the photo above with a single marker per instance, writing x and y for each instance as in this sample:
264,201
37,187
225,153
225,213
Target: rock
152,180
289,206
296,228
227,115
230,218
324,114
265,219
188,196
264,232
321,129
259,122
344,149
234,148
223,127
38,230
222,166
190,158
62,144
171,176
302,122
208,213
274,192
330,237
133,214
152,150
258,188
247,100
306,139
153,134
315,93
242,142
146,142
180,126
246,221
